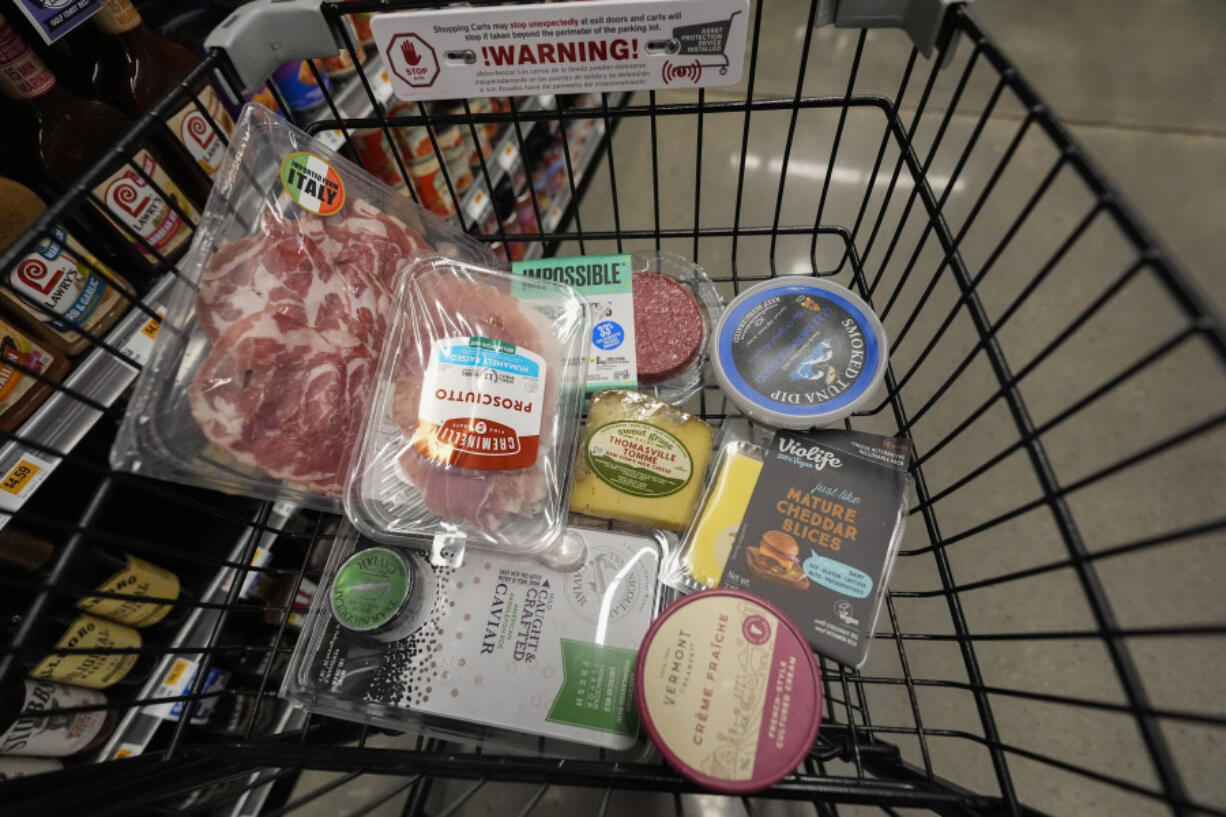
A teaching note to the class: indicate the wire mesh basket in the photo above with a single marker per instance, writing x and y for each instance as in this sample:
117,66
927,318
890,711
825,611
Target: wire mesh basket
1052,638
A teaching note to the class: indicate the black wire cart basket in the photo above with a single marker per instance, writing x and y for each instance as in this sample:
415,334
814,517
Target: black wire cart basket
1053,636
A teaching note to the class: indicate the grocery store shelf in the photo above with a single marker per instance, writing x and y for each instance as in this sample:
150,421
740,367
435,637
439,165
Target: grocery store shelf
63,420
174,674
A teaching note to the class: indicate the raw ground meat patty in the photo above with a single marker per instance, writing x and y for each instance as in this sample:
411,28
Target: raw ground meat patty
296,316
667,327
451,307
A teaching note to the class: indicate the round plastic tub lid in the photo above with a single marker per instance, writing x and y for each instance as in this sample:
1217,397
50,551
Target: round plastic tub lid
728,690
799,352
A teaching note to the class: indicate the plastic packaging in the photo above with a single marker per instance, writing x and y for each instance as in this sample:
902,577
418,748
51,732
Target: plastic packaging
699,562
641,460
672,331
264,362
728,691
499,649
821,533
799,352
472,427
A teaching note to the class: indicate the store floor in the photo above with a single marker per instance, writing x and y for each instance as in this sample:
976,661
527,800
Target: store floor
1139,85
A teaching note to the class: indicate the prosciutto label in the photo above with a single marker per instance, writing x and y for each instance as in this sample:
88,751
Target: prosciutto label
481,405
313,183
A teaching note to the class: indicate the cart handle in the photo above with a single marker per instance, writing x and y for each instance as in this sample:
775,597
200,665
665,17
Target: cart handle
921,19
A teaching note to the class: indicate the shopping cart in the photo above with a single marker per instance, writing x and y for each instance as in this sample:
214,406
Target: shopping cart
1050,642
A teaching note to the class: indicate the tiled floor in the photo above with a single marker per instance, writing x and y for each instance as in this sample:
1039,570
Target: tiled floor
1139,86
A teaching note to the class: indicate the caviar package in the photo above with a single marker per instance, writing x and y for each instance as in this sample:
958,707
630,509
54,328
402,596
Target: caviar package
821,533
641,461
263,365
496,648
471,431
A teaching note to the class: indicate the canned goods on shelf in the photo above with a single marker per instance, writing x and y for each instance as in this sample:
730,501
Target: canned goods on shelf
376,155
432,187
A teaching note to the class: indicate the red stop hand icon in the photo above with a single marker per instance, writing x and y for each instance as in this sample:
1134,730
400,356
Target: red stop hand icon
412,59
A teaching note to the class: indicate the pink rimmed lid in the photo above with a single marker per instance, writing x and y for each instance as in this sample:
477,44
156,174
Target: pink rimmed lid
728,690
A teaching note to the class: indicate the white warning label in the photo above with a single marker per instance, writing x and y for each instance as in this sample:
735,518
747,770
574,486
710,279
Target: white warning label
621,45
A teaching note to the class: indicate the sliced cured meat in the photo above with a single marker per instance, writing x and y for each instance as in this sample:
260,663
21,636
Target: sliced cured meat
667,327
297,315
331,273
454,307
284,398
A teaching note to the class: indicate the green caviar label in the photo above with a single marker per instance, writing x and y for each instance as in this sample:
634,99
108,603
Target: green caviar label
370,589
639,459
597,688
313,183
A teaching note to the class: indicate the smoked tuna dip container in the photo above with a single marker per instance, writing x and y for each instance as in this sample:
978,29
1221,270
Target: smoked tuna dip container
799,352
728,690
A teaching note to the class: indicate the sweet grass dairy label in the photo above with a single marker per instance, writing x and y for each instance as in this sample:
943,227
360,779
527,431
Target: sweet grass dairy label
623,45
313,183
639,459
480,404
821,532
606,284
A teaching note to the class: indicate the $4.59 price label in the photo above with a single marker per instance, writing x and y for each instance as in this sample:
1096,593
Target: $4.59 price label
20,480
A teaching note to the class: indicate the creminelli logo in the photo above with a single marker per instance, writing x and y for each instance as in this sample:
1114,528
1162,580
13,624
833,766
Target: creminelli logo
313,183
815,454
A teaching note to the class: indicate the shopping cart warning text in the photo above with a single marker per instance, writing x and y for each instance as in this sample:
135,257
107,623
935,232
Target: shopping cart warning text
621,45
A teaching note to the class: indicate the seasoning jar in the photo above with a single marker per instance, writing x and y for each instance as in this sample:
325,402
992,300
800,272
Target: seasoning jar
375,595
526,213
486,131
376,156
455,156
432,187
20,393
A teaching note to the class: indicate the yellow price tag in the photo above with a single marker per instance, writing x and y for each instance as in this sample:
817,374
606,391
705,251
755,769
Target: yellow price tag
19,477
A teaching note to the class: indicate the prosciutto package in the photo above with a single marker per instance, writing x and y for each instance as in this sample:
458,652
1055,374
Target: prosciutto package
266,360
472,428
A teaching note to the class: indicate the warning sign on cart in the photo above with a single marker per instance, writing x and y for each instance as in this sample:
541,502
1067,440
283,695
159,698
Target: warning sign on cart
621,45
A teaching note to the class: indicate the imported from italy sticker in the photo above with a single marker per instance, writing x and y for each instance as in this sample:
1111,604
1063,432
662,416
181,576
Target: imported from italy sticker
313,183
623,45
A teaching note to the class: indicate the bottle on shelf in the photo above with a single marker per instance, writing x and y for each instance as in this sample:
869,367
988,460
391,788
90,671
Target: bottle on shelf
92,568
137,67
66,629
58,286
299,87
65,135
31,725
20,393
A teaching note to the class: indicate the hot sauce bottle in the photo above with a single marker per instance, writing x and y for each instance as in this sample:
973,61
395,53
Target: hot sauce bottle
137,67
69,134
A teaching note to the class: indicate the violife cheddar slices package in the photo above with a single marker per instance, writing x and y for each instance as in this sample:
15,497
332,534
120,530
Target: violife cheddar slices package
264,362
821,532
472,427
